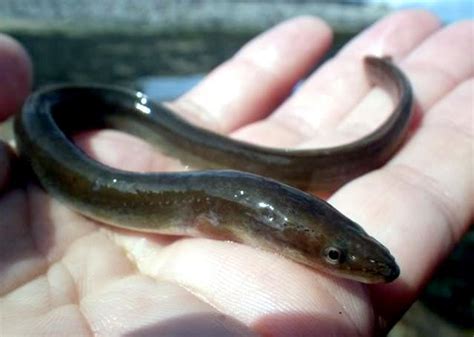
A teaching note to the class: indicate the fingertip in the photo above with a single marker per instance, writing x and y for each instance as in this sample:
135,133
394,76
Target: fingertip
309,22
463,29
16,76
423,16
302,34
396,34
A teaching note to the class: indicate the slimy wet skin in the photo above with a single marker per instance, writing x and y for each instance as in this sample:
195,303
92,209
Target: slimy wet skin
244,192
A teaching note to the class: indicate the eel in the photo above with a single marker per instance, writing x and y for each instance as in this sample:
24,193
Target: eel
241,192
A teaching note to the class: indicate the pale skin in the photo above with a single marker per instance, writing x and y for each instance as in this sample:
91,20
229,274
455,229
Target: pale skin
61,274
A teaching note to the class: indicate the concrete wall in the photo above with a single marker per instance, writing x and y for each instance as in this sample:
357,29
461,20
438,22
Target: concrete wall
120,40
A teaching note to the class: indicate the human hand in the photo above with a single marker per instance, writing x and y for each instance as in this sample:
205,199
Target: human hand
63,274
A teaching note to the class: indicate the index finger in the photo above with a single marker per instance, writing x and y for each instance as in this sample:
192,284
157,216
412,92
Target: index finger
253,82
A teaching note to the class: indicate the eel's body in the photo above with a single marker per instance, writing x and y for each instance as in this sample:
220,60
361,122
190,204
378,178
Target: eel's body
225,204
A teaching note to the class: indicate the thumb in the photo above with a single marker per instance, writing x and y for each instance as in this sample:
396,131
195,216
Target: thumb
15,76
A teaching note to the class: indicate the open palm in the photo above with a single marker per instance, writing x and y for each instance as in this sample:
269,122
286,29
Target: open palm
62,274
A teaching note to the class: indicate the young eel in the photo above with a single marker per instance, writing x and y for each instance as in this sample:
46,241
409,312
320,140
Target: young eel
242,204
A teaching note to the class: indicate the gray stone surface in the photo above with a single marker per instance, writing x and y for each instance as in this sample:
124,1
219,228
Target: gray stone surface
185,13
120,40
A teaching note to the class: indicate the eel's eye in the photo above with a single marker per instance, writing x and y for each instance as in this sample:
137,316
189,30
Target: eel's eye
333,255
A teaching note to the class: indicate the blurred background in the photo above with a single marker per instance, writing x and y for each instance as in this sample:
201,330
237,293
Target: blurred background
164,47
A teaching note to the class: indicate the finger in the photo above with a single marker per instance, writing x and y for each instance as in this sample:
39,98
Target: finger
254,81
440,63
332,93
427,188
15,79
431,77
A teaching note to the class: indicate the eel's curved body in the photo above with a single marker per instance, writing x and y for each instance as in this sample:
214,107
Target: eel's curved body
241,204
